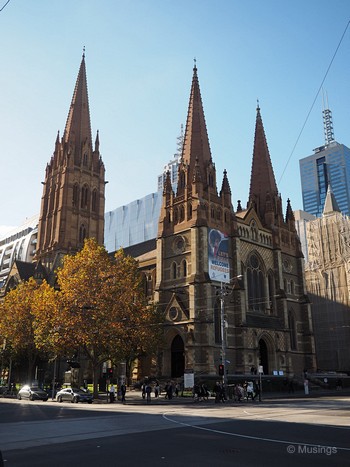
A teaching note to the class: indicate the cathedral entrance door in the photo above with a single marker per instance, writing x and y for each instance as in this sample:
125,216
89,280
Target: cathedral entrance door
177,357
264,357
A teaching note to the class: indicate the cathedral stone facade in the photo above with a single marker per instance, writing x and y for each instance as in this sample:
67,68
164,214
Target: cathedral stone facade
229,281
211,263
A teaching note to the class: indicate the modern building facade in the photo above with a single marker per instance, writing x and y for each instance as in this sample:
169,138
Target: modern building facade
329,165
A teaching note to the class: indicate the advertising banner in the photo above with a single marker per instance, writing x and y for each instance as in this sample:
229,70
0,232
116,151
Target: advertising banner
219,266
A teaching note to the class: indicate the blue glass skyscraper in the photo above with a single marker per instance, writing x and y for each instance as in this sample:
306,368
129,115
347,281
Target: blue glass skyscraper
329,165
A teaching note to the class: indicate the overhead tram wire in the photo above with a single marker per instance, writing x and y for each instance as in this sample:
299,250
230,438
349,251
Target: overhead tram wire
8,1
314,101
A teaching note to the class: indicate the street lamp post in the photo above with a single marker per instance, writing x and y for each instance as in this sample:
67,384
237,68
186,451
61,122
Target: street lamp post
223,340
236,286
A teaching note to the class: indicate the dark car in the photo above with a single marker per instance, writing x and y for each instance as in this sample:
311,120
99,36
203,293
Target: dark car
32,393
74,395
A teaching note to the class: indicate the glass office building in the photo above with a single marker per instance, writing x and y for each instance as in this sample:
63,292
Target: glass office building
330,164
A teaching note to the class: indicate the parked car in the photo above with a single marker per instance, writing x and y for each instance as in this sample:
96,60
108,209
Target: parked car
32,393
74,395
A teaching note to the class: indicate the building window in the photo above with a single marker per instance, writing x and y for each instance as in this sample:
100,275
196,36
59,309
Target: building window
190,211
256,285
75,200
174,271
85,160
84,197
292,330
182,214
94,201
184,268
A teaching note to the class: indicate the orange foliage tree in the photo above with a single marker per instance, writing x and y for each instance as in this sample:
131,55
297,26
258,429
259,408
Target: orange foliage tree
17,323
102,309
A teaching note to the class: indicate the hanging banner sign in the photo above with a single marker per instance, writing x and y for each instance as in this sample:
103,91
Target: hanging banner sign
219,266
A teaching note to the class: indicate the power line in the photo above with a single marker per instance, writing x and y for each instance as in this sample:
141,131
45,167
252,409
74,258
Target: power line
8,1
314,101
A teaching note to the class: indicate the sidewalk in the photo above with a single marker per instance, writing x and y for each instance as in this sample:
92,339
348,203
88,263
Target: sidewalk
135,397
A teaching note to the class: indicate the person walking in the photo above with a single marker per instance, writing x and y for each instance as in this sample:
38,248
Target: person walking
123,392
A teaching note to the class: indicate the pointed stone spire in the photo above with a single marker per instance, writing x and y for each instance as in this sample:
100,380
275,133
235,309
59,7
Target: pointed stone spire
263,187
97,142
78,127
196,141
225,187
330,204
289,212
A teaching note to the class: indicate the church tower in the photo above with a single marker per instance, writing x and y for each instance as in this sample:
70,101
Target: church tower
196,226
73,200
273,329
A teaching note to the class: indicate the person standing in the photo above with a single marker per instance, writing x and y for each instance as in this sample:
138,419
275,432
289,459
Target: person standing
123,392
148,393
112,393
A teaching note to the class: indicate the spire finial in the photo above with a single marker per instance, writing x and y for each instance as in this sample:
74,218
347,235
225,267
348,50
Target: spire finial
195,63
84,51
257,105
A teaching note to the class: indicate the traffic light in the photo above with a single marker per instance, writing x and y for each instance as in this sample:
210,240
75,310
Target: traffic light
221,370
109,372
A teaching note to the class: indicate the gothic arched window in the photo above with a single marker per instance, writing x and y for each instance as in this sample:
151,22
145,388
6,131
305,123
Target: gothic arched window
184,268
75,200
174,270
292,330
256,284
84,197
182,214
94,201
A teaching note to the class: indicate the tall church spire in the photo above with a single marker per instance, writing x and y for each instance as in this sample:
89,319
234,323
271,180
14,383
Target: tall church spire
78,126
196,141
73,200
263,187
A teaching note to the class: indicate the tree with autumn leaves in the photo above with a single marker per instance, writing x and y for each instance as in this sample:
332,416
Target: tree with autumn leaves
99,309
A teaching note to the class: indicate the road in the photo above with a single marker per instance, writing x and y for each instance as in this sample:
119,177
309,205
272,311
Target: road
302,432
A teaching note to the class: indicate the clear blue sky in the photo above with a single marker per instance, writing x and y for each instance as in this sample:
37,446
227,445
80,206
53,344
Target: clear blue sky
139,58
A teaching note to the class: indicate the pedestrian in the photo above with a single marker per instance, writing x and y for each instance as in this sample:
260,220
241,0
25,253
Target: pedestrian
257,390
123,392
250,390
112,393
290,386
143,390
217,391
148,393
156,390
176,390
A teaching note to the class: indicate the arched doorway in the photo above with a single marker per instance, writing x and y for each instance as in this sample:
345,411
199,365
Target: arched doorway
177,357
263,356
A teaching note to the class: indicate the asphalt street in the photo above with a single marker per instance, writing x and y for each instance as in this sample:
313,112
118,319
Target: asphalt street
275,432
